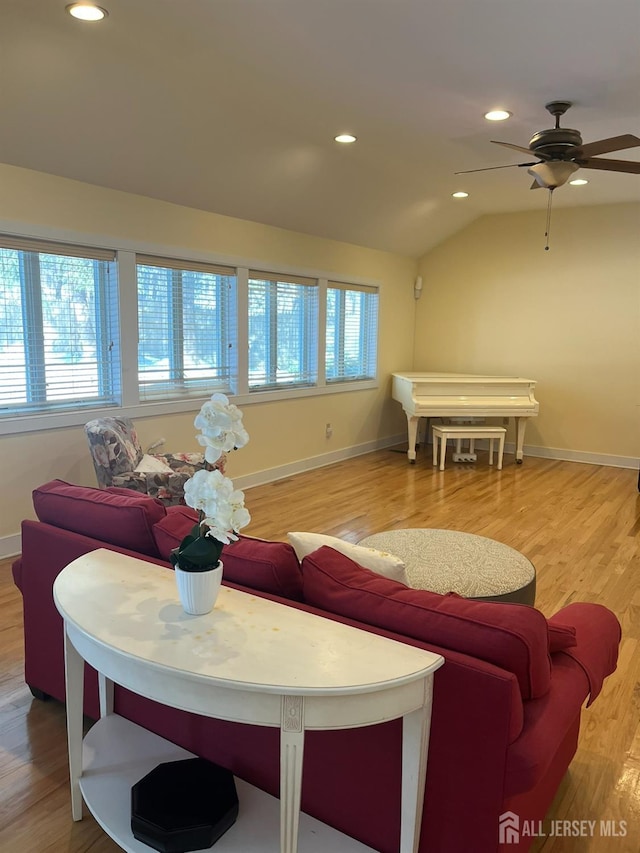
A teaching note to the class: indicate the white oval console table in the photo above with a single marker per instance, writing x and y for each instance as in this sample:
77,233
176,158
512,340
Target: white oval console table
251,661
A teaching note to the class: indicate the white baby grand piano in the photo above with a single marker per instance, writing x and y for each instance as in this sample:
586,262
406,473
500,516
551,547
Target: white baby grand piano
456,395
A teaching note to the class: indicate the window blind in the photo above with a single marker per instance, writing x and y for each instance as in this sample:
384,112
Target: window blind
186,328
185,265
68,250
352,332
283,331
59,341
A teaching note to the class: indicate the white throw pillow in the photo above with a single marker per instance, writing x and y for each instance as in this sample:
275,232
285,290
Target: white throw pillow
152,465
378,561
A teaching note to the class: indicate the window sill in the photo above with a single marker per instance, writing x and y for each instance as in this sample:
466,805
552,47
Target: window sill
61,420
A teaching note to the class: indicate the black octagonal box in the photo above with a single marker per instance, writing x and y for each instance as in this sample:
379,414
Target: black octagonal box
183,805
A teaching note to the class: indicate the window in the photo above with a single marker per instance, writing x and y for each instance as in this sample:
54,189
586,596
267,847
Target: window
352,332
186,328
283,331
85,329
59,346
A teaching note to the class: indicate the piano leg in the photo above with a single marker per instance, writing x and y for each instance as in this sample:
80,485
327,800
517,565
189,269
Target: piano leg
521,425
412,430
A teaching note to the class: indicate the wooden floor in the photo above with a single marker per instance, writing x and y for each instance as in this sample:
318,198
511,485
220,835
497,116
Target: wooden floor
577,523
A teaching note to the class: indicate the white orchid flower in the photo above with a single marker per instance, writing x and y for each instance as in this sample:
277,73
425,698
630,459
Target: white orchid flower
222,506
220,424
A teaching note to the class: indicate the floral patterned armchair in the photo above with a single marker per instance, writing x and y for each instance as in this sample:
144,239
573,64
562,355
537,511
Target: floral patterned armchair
120,461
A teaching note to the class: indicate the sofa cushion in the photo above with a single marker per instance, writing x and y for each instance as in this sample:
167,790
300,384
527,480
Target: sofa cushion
560,636
255,563
381,562
266,566
124,520
511,636
169,531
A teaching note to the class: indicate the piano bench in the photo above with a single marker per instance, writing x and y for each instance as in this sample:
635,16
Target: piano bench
461,432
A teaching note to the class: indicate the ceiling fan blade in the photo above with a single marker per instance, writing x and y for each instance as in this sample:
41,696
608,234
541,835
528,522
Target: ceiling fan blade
489,168
628,166
522,150
604,146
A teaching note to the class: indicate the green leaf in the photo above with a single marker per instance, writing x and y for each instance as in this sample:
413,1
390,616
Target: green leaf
197,553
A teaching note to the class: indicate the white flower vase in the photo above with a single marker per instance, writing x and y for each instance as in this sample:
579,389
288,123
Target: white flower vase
198,591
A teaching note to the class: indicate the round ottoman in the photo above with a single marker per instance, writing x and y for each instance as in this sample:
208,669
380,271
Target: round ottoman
450,561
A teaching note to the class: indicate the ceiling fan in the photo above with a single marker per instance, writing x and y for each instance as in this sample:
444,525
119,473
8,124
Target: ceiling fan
560,153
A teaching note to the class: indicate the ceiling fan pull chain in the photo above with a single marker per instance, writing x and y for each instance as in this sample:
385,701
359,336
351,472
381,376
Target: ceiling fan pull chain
548,231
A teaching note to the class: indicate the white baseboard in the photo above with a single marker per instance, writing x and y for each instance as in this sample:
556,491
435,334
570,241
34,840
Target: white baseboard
565,455
10,545
270,475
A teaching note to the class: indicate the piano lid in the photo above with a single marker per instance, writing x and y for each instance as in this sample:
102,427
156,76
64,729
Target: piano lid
450,394
460,378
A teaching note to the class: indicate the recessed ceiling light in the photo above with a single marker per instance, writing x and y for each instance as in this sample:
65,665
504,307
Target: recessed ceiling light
460,195
345,138
87,11
498,115
578,182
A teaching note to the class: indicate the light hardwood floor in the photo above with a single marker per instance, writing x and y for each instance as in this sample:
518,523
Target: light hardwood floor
578,524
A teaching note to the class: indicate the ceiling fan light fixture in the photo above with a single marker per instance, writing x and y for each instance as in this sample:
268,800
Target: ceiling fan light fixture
87,11
460,194
553,173
498,115
578,182
345,138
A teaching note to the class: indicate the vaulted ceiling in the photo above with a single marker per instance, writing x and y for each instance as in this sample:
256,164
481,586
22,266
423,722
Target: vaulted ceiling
232,106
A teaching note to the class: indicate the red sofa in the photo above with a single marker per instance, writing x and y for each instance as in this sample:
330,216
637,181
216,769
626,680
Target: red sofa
507,702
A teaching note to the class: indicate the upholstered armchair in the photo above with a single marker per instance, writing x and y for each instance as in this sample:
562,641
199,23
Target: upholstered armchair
119,460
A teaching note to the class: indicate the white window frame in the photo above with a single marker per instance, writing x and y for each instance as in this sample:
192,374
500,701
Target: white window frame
367,334
126,251
179,384
51,384
278,288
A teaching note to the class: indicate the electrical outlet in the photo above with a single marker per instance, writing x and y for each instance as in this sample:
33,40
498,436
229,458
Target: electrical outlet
328,431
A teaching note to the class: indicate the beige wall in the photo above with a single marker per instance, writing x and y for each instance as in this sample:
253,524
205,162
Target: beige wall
282,433
495,302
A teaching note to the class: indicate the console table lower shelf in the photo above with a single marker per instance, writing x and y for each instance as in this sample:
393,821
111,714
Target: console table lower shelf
117,753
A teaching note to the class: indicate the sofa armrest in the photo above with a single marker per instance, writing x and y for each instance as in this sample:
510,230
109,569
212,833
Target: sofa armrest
598,635
16,570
